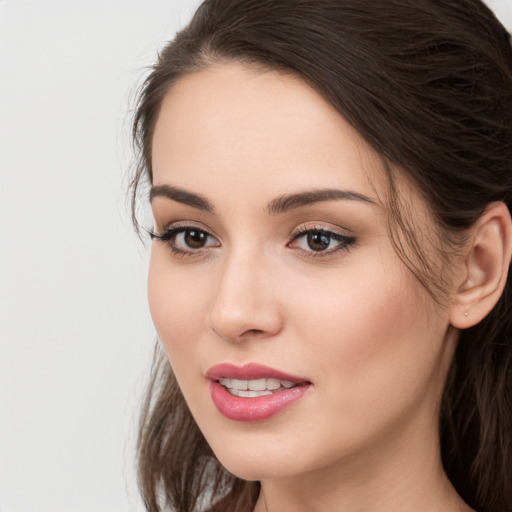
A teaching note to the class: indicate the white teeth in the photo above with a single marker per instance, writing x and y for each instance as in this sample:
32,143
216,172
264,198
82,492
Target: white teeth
249,393
254,387
273,383
239,384
257,384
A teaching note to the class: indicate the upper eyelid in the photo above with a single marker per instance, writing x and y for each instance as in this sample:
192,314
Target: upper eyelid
296,232
184,225
304,229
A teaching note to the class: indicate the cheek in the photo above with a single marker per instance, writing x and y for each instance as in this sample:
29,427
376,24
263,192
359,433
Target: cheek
178,304
374,336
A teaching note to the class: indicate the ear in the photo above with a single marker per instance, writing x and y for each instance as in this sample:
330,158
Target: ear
485,269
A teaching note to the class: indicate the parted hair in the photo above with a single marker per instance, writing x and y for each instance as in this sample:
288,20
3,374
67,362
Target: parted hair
428,84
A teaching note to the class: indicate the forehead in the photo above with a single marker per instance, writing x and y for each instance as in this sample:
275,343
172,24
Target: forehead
245,127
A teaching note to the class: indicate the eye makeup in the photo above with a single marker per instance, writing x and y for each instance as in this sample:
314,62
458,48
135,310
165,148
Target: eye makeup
312,241
319,241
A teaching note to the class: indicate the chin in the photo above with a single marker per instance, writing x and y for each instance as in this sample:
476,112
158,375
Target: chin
251,460
259,458
256,470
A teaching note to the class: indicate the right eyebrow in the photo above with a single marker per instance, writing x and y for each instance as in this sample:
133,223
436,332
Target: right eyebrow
181,196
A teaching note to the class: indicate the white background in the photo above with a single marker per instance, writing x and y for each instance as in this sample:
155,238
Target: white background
75,333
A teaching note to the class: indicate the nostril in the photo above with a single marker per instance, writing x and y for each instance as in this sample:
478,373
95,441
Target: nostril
244,335
252,332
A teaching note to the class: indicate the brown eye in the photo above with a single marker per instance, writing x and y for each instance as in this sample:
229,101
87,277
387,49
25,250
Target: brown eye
195,239
318,241
186,240
190,240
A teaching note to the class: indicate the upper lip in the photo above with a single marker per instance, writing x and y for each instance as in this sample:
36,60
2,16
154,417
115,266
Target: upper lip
250,371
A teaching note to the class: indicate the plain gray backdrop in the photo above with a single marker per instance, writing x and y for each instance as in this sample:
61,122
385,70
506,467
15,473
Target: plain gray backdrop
75,333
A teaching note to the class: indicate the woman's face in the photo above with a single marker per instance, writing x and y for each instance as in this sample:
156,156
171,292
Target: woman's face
273,270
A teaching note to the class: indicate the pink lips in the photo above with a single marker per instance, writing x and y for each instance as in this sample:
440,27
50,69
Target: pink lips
258,408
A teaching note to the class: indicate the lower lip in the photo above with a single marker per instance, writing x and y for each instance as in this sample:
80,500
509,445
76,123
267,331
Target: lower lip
260,408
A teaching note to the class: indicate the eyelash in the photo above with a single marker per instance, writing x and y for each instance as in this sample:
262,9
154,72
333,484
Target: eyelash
169,237
344,242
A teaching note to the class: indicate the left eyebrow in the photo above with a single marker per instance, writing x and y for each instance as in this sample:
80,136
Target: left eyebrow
288,202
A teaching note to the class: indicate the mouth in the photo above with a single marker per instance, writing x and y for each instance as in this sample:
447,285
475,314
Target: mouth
255,387
253,392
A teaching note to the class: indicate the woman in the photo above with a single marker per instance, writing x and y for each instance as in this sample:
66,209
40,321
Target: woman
330,183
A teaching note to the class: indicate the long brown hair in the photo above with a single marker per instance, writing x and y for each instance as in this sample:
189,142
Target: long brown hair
428,84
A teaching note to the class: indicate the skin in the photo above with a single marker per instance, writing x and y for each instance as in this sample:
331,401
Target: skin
352,319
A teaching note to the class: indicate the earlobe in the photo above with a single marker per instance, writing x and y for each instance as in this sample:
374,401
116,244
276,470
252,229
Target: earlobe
485,268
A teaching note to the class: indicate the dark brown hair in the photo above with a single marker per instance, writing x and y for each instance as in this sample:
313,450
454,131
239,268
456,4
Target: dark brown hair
428,84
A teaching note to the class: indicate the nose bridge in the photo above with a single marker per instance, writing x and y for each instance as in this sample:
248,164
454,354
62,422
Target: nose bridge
243,302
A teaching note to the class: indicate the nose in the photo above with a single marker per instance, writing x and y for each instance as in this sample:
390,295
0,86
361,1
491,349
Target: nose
245,304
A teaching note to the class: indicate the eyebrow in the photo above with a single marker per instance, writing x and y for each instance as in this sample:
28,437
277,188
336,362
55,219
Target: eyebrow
181,196
279,205
288,202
